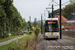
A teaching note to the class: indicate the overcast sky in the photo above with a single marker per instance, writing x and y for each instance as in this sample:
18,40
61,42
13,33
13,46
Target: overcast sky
34,8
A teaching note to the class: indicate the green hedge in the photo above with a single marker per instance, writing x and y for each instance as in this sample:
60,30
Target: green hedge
29,32
37,30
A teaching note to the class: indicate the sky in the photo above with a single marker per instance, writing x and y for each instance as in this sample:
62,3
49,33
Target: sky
35,8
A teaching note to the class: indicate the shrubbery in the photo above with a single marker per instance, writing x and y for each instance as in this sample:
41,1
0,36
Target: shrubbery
15,33
29,32
0,32
37,30
5,35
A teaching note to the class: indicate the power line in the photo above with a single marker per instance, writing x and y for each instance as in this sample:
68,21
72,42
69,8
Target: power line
58,4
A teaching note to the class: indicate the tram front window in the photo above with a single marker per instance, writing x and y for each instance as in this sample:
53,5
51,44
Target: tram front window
51,26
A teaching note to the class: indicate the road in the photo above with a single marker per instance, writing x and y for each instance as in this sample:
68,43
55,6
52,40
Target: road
66,43
8,41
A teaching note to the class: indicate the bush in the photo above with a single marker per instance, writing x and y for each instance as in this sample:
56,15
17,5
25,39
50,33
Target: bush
37,30
13,33
5,35
18,33
21,33
29,32
1,33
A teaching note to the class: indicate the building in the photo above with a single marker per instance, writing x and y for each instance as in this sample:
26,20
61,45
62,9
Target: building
70,25
67,25
71,18
63,19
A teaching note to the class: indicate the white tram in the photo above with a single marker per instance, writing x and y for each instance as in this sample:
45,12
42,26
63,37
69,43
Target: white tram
51,29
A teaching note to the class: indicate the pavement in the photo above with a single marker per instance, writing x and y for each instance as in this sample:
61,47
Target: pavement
8,41
66,43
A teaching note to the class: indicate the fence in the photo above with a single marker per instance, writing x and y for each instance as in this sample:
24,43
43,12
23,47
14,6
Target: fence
68,33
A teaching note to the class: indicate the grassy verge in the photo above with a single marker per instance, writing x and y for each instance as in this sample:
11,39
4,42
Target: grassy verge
21,45
8,38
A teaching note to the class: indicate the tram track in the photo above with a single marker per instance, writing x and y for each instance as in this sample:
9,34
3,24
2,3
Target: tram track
46,42
54,45
63,45
57,48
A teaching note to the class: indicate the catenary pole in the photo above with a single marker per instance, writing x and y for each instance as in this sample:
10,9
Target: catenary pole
30,21
60,21
41,24
52,10
35,22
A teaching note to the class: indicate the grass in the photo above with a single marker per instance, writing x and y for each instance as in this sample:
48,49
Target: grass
8,38
17,46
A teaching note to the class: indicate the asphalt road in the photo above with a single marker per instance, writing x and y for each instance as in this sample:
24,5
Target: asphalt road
66,43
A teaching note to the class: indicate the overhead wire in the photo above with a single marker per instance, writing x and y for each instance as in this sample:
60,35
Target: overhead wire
57,3
53,1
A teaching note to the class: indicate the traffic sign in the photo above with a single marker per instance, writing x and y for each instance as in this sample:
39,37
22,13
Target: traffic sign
33,27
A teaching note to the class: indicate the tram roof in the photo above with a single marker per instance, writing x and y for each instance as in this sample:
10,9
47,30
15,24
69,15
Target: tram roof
51,19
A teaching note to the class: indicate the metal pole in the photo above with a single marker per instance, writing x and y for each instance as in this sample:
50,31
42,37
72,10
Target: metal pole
41,24
52,10
60,22
35,22
30,22
48,15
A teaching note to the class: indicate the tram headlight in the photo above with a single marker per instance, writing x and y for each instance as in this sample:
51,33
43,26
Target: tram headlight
46,34
57,34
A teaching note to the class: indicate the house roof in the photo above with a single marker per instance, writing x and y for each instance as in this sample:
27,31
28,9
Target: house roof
72,16
63,19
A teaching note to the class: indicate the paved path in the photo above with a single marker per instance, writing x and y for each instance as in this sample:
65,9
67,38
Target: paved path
8,41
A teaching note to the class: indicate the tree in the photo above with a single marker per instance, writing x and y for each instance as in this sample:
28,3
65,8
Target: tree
10,17
72,1
56,12
29,25
70,8
3,20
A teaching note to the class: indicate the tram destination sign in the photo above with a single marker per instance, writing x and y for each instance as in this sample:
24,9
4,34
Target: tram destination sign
51,22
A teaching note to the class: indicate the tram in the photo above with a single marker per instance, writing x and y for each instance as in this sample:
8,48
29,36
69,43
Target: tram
51,29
